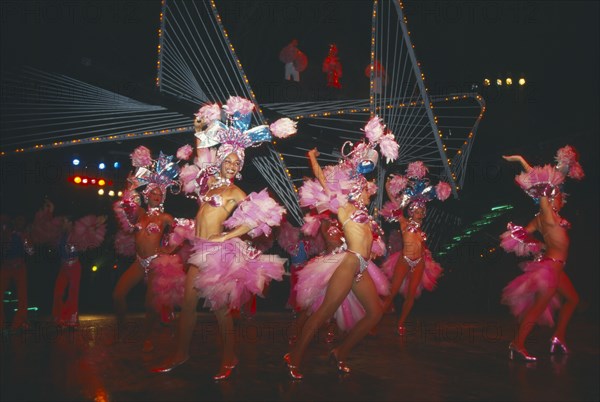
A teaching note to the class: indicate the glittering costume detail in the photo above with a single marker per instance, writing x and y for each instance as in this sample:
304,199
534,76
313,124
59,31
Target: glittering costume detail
145,262
412,263
361,267
215,200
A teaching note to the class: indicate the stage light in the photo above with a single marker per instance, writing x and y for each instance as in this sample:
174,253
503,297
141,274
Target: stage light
521,81
116,165
101,166
111,193
101,182
101,191
75,162
499,82
509,81
84,180
486,82
92,181
77,180
120,193
94,268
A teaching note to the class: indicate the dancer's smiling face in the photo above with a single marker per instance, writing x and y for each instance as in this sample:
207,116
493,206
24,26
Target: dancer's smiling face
231,166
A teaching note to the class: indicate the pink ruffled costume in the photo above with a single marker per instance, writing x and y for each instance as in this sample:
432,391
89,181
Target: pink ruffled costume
312,284
539,274
520,293
231,272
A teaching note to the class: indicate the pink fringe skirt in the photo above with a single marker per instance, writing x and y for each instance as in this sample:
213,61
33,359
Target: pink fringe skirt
231,272
519,294
312,284
168,282
431,273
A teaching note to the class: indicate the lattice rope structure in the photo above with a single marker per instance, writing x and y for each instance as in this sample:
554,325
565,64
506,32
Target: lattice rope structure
398,95
42,110
342,120
197,62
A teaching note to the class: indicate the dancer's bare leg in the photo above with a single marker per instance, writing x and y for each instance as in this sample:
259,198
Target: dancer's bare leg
338,287
409,301
366,293
131,277
567,290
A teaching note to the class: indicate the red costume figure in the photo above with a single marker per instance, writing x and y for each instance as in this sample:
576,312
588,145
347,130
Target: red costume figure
13,268
333,68
71,238
534,295
295,61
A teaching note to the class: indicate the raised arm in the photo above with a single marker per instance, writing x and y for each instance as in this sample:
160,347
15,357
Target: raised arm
518,158
198,126
316,168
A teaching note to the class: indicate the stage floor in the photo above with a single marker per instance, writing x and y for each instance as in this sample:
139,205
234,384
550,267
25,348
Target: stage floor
440,358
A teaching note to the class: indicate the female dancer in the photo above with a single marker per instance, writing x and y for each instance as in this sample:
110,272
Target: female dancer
16,246
532,296
412,268
344,277
149,227
224,270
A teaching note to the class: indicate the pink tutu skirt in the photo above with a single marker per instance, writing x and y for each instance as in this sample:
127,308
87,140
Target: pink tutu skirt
231,272
520,293
168,283
312,284
431,273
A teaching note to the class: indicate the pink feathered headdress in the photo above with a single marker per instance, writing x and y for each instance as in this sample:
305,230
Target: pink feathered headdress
161,173
547,180
234,136
362,157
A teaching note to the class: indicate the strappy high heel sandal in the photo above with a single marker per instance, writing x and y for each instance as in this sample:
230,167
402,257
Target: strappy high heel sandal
292,370
341,366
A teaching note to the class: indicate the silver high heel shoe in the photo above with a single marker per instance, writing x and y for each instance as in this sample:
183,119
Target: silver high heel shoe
521,354
557,346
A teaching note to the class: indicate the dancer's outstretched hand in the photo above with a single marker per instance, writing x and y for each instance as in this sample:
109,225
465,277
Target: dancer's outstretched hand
513,158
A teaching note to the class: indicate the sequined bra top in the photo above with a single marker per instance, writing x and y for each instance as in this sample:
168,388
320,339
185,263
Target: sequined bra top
151,228
358,216
214,200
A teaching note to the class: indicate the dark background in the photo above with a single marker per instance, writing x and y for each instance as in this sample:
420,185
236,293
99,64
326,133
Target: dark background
112,44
